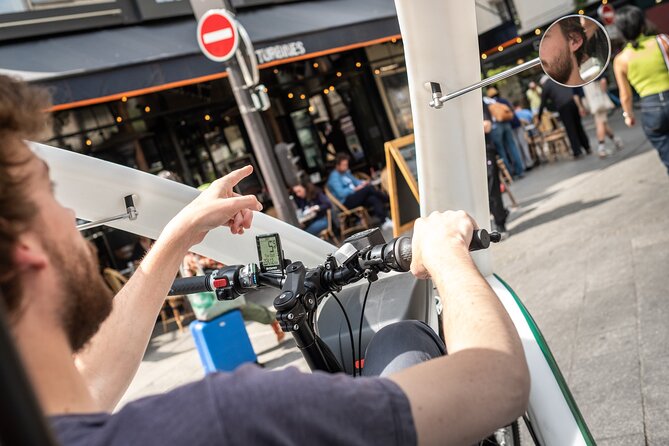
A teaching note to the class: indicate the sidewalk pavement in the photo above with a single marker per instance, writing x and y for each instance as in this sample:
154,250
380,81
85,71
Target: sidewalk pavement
588,255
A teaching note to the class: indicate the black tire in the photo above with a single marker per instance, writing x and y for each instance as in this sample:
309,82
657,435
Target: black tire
507,436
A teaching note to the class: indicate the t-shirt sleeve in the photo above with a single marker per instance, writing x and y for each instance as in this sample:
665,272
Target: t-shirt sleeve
288,407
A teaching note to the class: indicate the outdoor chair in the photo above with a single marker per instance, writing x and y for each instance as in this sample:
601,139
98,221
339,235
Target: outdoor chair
328,234
350,220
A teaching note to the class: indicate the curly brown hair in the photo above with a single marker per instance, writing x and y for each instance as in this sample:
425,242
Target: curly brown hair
22,116
571,27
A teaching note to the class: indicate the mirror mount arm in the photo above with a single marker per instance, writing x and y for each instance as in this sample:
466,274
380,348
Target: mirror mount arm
438,100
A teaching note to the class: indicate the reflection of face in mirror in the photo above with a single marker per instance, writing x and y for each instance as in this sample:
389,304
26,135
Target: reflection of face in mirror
574,50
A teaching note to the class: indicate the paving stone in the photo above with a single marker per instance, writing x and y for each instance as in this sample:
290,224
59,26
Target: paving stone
657,426
625,440
608,309
613,417
655,382
606,343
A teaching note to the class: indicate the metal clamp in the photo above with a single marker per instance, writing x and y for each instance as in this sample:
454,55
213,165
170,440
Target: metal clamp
438,99
131,214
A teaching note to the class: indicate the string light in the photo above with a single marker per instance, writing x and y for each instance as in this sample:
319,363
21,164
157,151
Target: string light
500,48
326,91
124,99
147,109
604,2
89,142
303,96
537,31
377,71
331,87
276,71
358,64
338,73
290,95
581,12
265,90
315,64
119,119
311,109
484,56
207,118
519,39
393,40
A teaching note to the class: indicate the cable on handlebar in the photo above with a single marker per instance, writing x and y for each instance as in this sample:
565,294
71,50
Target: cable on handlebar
362,317
350,330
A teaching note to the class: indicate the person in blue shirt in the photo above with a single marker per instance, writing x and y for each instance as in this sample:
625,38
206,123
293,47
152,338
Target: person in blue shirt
352,192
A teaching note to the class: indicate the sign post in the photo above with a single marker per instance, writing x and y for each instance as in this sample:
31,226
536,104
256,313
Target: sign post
218,35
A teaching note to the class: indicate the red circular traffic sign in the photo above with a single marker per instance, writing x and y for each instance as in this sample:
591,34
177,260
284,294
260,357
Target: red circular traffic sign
217,35
607,14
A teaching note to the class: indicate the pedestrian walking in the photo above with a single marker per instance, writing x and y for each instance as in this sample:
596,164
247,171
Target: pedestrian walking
495,201
644,65
564,101
599,104
502,131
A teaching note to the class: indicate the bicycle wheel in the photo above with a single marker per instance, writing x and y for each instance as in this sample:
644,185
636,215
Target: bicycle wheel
506,436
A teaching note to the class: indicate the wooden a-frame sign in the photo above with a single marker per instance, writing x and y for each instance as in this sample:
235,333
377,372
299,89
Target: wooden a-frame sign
402,183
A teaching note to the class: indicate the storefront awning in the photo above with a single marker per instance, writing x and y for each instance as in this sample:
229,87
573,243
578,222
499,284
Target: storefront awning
101,64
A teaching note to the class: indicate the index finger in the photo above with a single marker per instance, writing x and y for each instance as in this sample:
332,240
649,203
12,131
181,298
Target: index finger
232,179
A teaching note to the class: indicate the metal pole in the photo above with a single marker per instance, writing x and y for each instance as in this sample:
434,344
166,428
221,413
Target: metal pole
484,83
255,126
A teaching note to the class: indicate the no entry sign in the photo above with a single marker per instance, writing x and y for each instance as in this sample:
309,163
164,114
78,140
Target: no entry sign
217,35
607,14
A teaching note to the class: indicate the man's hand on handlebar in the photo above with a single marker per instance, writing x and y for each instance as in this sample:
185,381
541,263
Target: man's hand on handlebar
216,206
436,237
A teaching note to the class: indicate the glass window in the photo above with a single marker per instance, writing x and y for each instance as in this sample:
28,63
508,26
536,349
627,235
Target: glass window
9,6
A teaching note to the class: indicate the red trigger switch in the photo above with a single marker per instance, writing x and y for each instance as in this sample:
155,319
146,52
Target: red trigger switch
221,283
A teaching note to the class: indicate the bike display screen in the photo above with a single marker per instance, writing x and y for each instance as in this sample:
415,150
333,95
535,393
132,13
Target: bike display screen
270,254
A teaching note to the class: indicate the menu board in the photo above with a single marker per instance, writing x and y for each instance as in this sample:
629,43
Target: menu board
402,183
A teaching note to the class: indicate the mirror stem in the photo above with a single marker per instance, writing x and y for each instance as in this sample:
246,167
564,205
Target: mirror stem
438,100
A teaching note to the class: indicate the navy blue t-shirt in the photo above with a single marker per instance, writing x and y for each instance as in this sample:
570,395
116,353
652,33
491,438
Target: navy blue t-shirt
252,406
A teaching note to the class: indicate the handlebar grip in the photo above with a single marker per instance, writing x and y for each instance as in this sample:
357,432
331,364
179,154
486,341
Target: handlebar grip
190,285
480,240
404,254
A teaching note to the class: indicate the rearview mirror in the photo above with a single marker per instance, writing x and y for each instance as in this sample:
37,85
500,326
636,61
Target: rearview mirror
574,50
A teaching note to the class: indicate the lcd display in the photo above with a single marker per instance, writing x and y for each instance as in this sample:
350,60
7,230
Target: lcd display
269,252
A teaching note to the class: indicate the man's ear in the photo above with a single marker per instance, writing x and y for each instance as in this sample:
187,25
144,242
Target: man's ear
29,254
575,42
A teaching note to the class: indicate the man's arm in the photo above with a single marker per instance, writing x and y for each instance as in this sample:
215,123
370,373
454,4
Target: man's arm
483,382
544,99
111,359
579,104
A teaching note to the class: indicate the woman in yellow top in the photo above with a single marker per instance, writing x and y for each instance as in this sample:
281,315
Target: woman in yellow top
641,65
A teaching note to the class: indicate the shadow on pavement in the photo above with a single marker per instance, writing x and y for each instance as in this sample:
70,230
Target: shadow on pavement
288,343
558,213
289,357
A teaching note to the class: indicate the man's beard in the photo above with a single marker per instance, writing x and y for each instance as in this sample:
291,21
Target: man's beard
87,301
561,67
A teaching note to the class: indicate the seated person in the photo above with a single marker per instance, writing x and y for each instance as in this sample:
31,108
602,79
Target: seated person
311,199
352,192
81,351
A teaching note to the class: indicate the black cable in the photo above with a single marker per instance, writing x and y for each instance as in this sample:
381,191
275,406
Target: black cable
350,330
362,316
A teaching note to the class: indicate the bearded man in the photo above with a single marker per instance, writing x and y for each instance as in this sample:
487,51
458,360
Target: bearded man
562,51
80,349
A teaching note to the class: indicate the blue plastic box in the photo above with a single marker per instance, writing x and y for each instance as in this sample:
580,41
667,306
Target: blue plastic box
223,343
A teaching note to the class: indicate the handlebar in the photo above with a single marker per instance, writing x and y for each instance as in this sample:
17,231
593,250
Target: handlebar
361,258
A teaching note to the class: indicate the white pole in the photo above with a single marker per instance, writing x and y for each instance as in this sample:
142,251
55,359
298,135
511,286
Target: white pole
441,45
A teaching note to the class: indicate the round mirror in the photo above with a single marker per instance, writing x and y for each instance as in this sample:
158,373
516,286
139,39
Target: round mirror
575,50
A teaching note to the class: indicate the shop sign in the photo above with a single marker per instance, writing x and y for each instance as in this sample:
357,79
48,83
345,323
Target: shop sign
282,51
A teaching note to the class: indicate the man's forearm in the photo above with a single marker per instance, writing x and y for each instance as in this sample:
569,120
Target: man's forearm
111,359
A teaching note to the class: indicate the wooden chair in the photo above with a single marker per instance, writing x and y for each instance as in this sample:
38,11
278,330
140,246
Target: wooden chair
503,171
175,303
350,220
328,234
